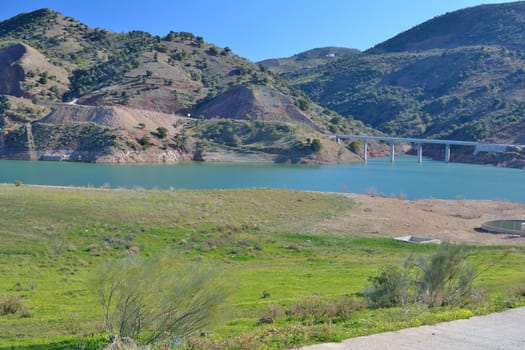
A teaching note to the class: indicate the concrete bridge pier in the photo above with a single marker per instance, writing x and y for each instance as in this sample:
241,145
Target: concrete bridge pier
480,147
365,150
447,153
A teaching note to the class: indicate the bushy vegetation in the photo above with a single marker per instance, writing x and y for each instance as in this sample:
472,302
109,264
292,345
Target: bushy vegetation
431,94
314,310
273,137
441,279
157,299
4,108
13,305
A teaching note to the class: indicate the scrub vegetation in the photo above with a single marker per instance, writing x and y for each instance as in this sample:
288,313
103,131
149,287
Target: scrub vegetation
287,278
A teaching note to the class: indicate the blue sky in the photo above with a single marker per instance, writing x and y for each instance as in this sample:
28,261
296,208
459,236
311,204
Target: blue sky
255,29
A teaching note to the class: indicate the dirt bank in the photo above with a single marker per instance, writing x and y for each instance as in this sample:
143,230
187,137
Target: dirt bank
456,221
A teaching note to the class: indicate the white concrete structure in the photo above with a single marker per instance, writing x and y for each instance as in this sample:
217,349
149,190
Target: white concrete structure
478,146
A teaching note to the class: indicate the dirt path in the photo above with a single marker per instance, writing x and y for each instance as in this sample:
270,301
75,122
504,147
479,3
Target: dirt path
456,221
502,330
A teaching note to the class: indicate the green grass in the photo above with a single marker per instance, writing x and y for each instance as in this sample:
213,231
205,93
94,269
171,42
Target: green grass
266,240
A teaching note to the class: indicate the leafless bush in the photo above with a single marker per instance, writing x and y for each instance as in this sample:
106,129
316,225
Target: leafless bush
317,310
150,300
13,304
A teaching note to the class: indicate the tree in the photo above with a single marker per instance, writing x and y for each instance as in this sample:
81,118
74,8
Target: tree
162,132
212,51
303,104
171,36
145,141
4,105
355,146
316,145
4,108
43,79
155,299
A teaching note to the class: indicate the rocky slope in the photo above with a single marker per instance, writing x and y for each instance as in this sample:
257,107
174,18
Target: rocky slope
47,59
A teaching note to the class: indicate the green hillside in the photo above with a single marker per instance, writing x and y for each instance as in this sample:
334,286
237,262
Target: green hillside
457,76
495,24
47,59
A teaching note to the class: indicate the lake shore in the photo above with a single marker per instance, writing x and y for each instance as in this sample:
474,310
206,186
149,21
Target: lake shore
448,220
455,221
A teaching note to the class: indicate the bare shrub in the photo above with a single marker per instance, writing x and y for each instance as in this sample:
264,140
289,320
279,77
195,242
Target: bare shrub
445,278
13,304
150,300
316,310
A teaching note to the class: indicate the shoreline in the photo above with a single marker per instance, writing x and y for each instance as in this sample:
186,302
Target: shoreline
456,221
232,157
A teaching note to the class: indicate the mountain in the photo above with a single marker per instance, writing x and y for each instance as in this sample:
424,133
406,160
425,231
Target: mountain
458,76
308,59
487,25
53,65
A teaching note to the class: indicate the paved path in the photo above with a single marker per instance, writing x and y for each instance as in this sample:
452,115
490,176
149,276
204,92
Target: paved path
504,330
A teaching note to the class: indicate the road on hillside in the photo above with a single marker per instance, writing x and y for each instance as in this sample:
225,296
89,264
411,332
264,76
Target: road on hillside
504,330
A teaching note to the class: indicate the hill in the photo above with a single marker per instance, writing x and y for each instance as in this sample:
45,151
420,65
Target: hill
308,59
458,76
47,58
495,24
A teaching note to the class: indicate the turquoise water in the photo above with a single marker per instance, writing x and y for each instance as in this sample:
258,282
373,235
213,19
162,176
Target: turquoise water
404,178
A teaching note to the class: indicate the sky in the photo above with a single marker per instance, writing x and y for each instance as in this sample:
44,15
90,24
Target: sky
255,30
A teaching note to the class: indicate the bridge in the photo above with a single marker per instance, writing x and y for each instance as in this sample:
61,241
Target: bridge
478,146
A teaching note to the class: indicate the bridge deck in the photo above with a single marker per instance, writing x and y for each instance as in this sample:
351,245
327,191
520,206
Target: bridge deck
479,146
417,140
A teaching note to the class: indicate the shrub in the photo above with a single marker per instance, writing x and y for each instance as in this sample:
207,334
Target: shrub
316,145
316,310
149,300
162,132
303,104
12,304
389,288
145,141
355,146
444,278
212,51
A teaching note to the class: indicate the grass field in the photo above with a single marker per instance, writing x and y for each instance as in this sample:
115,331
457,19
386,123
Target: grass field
273,241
